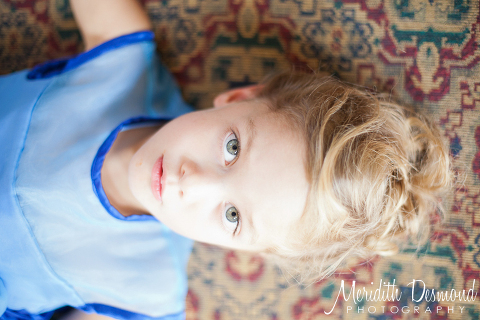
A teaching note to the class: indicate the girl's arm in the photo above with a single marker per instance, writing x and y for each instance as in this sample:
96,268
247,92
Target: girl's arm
102,20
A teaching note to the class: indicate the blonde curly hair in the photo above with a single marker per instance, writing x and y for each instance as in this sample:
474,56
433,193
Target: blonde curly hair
376,171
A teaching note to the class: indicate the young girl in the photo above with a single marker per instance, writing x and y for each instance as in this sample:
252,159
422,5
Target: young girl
100,188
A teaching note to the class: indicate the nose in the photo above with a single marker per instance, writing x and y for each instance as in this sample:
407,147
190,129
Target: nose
199,183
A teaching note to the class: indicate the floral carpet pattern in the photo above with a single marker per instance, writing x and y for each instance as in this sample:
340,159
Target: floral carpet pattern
425,53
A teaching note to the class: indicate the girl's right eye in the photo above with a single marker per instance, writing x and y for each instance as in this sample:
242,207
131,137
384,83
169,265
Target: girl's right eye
231,148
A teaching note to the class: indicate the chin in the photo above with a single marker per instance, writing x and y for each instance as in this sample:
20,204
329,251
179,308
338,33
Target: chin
139,192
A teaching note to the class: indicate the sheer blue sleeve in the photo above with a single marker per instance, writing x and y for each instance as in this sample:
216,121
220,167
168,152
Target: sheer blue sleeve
126,315
3,298
23,315
55,67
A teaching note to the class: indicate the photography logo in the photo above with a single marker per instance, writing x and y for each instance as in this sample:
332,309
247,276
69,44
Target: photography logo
418,292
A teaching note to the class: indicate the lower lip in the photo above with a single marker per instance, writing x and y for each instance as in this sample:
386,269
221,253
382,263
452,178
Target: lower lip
157,173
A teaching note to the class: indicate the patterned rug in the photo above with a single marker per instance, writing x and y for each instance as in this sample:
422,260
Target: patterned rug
423,52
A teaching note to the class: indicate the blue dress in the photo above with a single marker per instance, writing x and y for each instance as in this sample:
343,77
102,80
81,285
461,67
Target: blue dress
61,242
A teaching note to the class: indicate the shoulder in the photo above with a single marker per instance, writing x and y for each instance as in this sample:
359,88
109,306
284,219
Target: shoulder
115,49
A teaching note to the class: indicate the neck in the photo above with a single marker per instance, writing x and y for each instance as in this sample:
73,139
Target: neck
114,172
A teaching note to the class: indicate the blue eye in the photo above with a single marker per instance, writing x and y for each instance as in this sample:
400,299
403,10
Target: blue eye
231,219
231,148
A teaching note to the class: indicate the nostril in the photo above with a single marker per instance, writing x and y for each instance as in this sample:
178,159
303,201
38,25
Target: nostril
182,170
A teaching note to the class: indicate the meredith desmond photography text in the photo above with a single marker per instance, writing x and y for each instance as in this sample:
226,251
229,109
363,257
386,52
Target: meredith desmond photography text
418,292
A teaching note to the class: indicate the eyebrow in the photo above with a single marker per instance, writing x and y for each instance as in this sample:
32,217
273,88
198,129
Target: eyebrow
251,130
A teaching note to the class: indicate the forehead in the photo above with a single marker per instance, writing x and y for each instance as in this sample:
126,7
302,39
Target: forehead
272,185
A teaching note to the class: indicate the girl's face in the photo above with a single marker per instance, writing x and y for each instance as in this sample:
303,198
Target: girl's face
232,176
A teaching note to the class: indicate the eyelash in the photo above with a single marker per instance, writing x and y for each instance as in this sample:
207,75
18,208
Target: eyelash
222,146
239,221
238,224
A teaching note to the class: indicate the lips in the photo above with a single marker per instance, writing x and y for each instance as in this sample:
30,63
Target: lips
157,173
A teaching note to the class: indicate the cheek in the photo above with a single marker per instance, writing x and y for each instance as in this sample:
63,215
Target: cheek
188,121
179,221
195,142
190,223
180,131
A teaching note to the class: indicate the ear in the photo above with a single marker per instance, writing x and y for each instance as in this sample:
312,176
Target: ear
236,95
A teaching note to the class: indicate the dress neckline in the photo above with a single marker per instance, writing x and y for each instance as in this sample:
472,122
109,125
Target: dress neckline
100,158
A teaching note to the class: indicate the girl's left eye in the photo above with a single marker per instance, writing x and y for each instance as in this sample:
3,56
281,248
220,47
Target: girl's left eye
231,219
231,148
